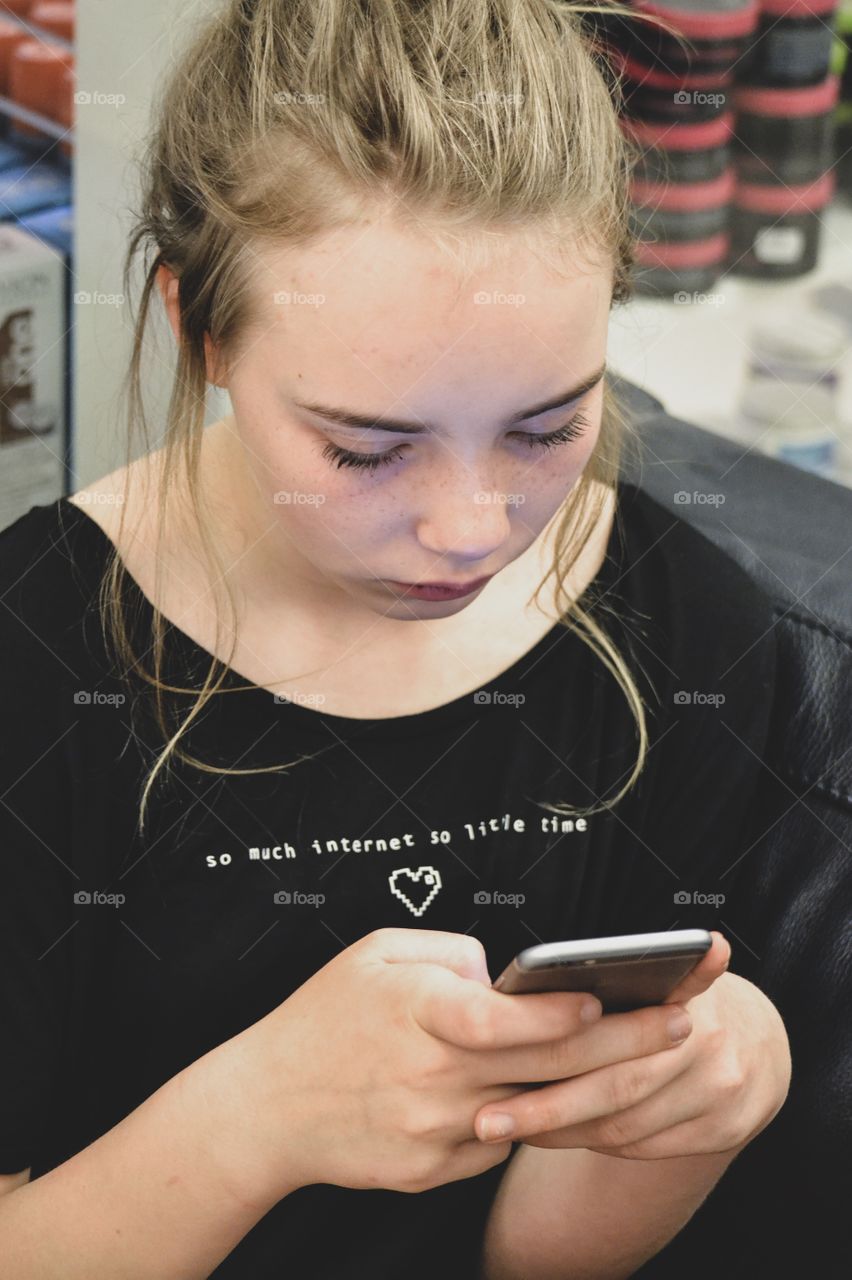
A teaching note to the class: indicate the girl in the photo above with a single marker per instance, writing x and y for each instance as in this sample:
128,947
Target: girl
301,755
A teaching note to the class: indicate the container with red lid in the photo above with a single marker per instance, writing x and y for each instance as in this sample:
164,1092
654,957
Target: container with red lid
713,35
662,98
776,231
681,152
664,78
677,211
785,135
792,44
680,270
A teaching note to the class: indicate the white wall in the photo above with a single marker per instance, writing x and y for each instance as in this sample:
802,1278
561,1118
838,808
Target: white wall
123,48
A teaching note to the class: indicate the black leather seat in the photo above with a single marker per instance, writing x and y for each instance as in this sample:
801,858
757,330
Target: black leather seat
784,1207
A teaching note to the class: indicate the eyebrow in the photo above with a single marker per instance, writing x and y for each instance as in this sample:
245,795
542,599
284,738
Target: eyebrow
365,422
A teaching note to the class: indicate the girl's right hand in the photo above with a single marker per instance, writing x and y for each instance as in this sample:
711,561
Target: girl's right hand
371,1073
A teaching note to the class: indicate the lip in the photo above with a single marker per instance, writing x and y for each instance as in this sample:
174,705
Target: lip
440,590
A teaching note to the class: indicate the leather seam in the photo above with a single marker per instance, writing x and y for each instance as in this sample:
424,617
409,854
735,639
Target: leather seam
832,633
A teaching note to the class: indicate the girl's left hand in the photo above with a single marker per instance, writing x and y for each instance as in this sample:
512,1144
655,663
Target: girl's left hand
714,1091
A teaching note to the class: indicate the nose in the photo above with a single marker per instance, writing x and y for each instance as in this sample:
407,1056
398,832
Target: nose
466,522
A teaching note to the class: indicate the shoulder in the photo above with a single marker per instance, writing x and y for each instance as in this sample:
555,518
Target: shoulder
43,587
108,499
52,560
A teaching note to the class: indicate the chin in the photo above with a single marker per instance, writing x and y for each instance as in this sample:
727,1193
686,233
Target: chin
417,610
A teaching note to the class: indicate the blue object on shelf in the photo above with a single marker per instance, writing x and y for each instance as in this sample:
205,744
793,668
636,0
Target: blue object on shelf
54,226
27,188
10,155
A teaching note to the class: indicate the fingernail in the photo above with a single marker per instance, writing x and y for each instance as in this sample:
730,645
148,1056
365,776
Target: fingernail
590,1010
496,1125
679,1026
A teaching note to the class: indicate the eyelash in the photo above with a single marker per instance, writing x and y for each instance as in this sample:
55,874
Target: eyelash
372,461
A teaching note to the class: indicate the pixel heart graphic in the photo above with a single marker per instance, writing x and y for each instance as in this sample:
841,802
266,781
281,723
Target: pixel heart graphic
423,875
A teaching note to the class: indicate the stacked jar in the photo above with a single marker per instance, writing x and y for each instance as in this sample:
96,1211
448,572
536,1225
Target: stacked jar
783,144
680,198
791,46
676,91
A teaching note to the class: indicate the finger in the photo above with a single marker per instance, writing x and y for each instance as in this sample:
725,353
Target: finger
673,1104
476,1017
711,966
571,1104
693,1137
616,1037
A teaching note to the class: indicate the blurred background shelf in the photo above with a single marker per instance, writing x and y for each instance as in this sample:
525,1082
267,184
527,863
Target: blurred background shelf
694,356
14,111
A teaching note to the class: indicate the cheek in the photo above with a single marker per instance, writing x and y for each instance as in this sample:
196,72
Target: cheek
330,517
308,525
547,483
288,469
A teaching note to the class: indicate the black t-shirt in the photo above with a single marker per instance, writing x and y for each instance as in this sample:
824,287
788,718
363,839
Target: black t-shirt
437,820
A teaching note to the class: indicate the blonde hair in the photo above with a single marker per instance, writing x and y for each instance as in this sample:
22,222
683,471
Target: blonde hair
475,115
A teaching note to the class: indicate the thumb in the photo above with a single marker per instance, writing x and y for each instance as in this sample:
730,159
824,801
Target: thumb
710,967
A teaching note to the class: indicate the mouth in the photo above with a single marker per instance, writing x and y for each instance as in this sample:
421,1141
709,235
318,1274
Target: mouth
439,590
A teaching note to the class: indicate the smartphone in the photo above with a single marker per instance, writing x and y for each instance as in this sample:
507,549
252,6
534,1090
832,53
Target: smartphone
625,972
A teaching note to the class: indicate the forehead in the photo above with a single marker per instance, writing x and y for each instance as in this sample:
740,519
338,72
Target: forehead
384,298
378,262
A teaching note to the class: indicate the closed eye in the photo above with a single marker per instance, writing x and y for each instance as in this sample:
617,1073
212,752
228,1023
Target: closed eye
372,461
